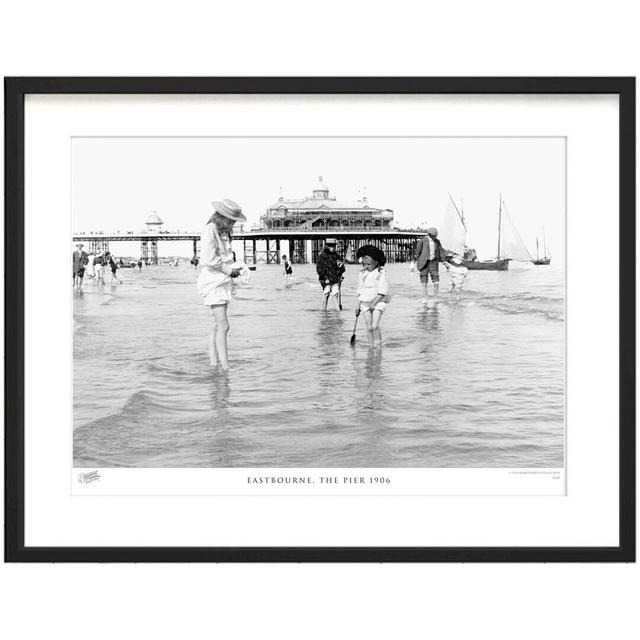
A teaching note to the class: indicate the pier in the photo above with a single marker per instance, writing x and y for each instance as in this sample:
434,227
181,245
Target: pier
268,246
297,228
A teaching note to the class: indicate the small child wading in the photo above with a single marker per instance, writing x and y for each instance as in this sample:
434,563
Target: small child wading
288,270
330,269
373,291
457,275
98,264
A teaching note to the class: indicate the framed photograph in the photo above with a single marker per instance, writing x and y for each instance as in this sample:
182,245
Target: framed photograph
320,319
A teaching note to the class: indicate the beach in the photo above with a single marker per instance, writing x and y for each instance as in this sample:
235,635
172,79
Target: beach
476,384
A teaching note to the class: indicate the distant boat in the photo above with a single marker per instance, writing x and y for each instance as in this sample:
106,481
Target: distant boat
252,267
510,244
546,259
349,259
498,264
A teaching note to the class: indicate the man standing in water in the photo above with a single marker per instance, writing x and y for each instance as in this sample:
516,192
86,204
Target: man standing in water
330,269
80,260
427,256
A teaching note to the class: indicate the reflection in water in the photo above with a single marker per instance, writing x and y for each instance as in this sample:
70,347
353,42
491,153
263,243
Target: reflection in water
223,445
219,392
453,385
428,319
428,347
327,354
373,412
368,380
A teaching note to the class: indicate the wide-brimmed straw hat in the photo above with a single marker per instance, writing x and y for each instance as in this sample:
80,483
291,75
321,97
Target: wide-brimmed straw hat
432,231
79,244
331,241
373,252
230,209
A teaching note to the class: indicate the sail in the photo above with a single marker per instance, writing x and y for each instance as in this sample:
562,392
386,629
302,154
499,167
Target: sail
512,245
453,233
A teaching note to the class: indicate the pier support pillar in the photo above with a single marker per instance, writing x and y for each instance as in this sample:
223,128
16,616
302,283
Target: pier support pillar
273,250
144,250
250,251
154,252
297,252
95,246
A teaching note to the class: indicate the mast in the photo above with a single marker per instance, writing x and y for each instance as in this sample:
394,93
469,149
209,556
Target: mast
499,225
544,240
460,215
537,251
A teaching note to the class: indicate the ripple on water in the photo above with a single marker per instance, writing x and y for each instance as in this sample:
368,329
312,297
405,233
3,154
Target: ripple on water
480,383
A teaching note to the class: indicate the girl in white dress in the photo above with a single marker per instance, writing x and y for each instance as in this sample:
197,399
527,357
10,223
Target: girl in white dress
215,280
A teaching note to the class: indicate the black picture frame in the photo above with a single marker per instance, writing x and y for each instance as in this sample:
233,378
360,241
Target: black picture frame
15,91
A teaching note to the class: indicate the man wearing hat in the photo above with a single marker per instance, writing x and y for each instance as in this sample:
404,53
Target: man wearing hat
79,261
330,268
427,256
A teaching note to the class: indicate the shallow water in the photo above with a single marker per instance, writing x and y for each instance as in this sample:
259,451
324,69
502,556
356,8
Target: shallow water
474,384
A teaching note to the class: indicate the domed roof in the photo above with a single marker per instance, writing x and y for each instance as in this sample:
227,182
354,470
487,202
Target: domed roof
321,190
154,218
321,186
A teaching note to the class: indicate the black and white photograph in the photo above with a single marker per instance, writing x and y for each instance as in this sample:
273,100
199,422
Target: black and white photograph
318,302
366,319
349,349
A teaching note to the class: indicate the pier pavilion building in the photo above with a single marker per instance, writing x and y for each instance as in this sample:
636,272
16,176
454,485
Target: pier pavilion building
320,212
307,221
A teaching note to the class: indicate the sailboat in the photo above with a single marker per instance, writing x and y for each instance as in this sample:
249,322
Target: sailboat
510,244
546,259
349,258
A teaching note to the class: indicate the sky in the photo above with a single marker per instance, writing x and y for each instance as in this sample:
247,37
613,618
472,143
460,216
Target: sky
118,182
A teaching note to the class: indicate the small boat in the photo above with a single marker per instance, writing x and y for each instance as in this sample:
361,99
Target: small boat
487,265
509,248
252,267
349,259
454,239
546,259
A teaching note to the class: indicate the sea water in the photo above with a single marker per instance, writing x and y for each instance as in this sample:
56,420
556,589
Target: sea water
478,383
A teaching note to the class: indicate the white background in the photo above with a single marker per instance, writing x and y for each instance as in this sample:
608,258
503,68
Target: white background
587,516
192,38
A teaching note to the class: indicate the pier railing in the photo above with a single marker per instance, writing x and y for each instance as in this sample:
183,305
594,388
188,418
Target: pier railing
302,245
320,230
